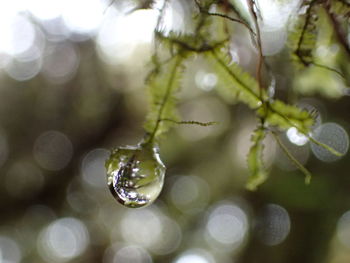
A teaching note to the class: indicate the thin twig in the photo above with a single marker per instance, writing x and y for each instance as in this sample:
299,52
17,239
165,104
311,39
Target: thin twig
231,19
251,5
325,146
210,123
185,46
166,97
306,172
329,68
204,11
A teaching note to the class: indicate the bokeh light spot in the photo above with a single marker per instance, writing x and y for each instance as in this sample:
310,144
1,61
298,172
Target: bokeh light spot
206,81
63,240
89,18
132,254
23,180
274,225
227,225
93,167
296,137
23,70
10,252
126,254
121,34
332,135
150,229
60,62
46,10
300,153
189,194
273,41
343,229
195,256
17,35
53,150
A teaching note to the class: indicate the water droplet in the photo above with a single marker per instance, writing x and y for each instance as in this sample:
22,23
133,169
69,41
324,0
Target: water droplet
135,175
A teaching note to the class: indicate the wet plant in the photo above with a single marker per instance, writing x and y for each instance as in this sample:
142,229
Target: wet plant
135,174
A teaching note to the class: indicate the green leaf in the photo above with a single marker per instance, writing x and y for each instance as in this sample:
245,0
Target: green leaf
256,167
233,82
284,116
163,84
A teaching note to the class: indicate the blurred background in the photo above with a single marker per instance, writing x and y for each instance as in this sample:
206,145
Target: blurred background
72,87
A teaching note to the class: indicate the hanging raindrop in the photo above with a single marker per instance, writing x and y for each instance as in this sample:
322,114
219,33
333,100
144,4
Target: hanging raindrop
135,175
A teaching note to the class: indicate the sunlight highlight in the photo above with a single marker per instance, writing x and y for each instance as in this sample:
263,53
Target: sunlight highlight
120,34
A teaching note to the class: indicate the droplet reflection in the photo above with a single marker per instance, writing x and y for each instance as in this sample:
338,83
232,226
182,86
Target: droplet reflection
135,175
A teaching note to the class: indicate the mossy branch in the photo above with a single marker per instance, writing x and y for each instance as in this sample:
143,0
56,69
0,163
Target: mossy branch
162,104
164,82
258,173
203,124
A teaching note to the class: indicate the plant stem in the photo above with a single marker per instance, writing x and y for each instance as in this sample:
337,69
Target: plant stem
167,94
251,5
293,159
